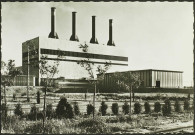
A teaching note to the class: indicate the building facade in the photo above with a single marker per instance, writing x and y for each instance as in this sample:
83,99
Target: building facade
150,78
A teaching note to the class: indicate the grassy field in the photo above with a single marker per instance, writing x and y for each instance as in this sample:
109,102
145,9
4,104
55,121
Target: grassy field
141,123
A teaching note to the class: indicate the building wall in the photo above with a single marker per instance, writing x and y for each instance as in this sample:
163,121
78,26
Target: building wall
168,79
21,80
68,68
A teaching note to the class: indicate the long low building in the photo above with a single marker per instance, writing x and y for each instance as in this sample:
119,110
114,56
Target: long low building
150,78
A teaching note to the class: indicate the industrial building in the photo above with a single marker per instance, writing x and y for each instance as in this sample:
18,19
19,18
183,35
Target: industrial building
69,67
150,78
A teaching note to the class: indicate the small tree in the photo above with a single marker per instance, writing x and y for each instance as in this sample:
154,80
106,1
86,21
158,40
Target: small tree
18,110
90,109
115,108
127,81
103,108
157,107
76,109
186,105
8,74
89,66
177,106
137,108
38,97
147,107
166,109
125,108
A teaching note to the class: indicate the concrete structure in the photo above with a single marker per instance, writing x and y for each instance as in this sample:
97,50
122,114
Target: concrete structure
21,80
151,78
68,68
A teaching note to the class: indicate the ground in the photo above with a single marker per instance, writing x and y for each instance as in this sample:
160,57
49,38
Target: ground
141,123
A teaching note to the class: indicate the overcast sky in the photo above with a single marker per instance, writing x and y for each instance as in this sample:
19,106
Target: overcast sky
157,35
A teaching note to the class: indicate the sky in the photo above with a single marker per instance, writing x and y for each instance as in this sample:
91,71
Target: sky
157,35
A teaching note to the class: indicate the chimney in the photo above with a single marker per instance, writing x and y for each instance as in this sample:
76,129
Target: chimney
110,41
74,36
53,33
93,39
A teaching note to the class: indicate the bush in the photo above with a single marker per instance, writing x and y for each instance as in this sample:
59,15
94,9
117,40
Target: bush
115,108
103,108
14,96
69,111
177,106
125,108
23,94
60,110
157,107
166,109
3,112
64,109
35,113
137,108
49,111
18,110
186,105
38,97
76,109
147,107
90,109
94,126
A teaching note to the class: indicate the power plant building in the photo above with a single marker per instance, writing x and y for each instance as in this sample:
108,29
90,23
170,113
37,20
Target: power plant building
72,53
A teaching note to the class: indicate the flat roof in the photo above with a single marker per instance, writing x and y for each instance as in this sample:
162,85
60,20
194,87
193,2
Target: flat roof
148,70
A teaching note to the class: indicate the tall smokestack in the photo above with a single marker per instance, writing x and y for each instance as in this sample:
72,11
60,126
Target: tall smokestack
110,41
74,36
93,39
53,33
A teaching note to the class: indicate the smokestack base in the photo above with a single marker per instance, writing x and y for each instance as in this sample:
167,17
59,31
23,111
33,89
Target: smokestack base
94,41
51,35
111,43
74,38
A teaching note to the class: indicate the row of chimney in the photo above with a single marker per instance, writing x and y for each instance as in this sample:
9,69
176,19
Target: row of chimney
74,37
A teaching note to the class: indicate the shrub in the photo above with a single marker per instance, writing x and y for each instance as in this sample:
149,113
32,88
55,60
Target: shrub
76,109
125,108
90,109
147,107
157,107
69,111
177,106
49,111
115,108
94,126
186,105
14,96
4,112
34,113
166,109
137,108
103,108
64,109
38,97
60,110
23,94
18,110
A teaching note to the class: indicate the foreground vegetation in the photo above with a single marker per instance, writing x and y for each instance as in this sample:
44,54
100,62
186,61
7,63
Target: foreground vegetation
68,119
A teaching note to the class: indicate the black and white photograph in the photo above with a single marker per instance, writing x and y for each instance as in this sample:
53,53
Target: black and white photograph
97,67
